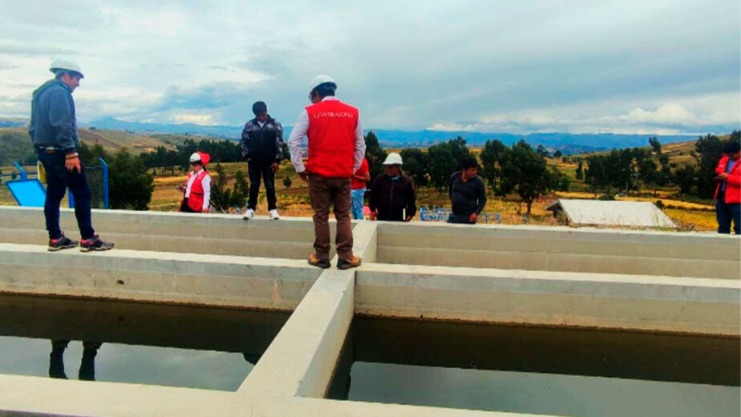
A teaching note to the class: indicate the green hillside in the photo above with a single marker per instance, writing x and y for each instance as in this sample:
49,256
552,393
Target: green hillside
15,144
679,152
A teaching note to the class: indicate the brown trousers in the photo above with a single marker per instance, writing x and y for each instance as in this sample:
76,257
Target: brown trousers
326,192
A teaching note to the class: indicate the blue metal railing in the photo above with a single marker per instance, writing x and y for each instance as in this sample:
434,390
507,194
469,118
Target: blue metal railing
105,182
24,175
103,166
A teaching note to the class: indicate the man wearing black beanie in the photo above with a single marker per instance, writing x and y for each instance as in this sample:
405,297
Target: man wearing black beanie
262,148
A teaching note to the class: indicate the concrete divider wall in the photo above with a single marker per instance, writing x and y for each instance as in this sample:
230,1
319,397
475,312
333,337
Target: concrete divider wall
666,304
312,338
218,234
273,284
561,249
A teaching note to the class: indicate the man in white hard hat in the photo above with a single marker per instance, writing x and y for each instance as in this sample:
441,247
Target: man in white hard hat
53,130
392,196
335,150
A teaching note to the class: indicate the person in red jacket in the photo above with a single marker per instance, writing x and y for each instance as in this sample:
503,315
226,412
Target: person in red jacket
335,151
728,191
197,192
359,180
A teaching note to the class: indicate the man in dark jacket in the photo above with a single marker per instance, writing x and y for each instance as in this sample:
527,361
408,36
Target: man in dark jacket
467,193
392,194
262,147
53,131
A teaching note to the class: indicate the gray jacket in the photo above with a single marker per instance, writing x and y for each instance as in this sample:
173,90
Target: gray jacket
53,121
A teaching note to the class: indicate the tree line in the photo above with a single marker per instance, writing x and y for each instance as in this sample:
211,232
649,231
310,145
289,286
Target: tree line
130,185
517,169
631,170
167,160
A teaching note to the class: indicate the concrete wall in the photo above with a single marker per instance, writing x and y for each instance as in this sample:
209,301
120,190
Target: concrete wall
666,304
275,284
592,290
561,249
218,234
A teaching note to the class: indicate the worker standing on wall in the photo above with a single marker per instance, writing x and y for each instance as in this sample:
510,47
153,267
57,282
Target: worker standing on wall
53,131
336,147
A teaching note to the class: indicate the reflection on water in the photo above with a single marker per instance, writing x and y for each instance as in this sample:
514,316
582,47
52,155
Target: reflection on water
141,343
539,370
87,364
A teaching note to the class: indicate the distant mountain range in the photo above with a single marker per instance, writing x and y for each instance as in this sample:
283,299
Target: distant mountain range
567,143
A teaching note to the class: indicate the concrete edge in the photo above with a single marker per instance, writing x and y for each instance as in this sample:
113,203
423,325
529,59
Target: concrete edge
524,274
19,396
226,281
312,338
601,301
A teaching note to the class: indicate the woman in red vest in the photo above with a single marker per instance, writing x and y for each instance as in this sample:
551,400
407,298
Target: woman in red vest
197,192
728,191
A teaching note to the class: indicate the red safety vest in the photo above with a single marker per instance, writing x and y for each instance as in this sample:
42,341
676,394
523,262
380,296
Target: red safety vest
733,182
331,136
195,201
359,184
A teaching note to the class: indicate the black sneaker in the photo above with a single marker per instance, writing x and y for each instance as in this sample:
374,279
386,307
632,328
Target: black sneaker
62,243
94,244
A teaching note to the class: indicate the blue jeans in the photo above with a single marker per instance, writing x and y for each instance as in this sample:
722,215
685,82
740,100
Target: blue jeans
357,203
58,179
725,213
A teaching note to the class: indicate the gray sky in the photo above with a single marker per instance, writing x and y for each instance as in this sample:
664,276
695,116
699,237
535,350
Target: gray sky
623,66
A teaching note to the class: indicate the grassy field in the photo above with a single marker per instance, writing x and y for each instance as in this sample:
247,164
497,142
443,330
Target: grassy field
294,201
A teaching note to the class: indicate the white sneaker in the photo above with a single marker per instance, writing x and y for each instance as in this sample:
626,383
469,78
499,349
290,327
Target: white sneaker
249,214
274,215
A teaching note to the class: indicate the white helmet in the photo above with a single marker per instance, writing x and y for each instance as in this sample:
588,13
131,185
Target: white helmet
319,80
196,157
393,159
65,65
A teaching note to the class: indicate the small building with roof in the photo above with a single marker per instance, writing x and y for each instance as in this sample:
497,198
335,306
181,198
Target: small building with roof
601,213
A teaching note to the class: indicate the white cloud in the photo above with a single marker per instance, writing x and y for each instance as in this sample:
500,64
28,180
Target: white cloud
701,114
540,64
200,119
669,113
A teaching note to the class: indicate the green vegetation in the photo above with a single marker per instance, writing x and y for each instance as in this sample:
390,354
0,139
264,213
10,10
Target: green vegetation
374,154
15,146
679,175
224,198
631,170
130,185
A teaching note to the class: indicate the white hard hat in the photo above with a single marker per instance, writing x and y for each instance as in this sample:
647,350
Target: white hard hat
393,159
65,65
195,157
319,80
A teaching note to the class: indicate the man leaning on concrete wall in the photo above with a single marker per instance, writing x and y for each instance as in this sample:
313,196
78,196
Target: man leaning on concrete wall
467,193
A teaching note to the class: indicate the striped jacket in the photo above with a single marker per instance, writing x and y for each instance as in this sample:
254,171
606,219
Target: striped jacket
265,143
